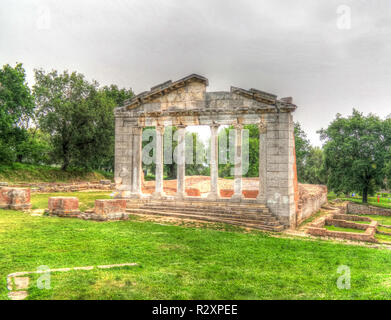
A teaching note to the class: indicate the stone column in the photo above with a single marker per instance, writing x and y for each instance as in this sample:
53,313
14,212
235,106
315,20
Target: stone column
137,161
214,160
159,162
123,158
238,163
262,161
180,160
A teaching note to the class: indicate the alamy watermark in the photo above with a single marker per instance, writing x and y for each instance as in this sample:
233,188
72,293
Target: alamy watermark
343,281
188,150
44,280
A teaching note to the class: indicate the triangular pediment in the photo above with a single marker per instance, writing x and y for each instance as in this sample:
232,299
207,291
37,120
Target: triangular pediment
178,94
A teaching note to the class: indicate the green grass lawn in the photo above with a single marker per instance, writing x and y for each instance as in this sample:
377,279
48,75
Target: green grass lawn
381,219
334,228
177,262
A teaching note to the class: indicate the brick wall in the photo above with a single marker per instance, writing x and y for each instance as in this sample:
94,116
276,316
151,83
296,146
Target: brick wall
310,202
366,209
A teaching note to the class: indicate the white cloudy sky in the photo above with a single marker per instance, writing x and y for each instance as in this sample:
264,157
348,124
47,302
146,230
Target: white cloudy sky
298,48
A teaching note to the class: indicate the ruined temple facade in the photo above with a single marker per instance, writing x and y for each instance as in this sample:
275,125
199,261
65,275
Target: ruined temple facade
187,102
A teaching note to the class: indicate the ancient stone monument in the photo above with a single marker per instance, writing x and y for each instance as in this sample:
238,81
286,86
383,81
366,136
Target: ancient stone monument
186,102
63,206
15,198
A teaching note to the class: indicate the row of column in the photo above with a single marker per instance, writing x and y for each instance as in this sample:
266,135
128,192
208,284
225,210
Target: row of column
136,154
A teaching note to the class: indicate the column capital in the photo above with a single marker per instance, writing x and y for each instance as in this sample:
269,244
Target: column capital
238,126
262,126
160,129
137,130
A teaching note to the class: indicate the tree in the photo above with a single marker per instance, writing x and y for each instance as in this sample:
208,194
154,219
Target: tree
79,118
355,151
303,149
197,151
116,94
314,171
16,108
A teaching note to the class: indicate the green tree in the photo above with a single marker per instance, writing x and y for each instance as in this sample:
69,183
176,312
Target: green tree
355,153
116,94
196,149
79,118
314,171
303,149
16,108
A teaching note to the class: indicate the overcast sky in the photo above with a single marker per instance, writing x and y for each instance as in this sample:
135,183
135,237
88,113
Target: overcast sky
330,56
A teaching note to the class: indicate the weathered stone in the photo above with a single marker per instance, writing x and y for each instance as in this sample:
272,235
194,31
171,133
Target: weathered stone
15,198
18,295
367,209
21,283
63,206
316,228
185,102
105,207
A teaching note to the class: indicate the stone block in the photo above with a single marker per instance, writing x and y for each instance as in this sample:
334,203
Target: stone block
109,206
15,198
63,206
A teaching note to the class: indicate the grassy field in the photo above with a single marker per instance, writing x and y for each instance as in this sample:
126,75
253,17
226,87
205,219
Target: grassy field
178,262
334,228
18,173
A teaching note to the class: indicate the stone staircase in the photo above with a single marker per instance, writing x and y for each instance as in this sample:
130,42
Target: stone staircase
250,215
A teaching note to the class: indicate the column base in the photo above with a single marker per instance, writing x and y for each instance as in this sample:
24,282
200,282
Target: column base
135,195
212,196
237,197
180,195
158,195
261,199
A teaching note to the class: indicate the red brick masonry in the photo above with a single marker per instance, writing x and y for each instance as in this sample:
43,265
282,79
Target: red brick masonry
109,206
63,206
15,198
338,219
228,193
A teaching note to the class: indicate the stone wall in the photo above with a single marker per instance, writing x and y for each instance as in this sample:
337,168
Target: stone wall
367,209
48,187
280,174
311,198
317,228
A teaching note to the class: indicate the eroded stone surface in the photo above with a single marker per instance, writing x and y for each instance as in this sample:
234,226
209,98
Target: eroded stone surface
15,198
105,207
186,102
63,206
21,283
17,295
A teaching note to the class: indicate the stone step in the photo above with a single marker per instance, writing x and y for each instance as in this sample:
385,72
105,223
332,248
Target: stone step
200,203
226,208
266,219
258,213
243,222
